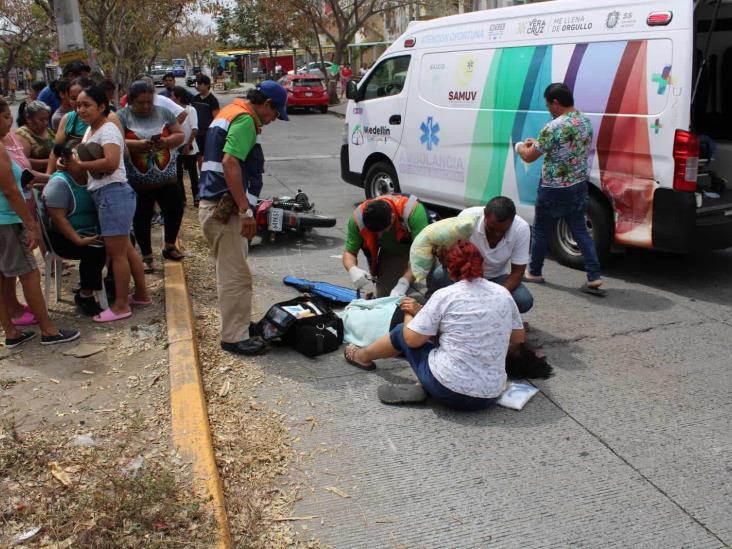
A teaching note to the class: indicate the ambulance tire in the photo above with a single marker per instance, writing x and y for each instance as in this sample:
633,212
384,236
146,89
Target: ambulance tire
599,223
381,179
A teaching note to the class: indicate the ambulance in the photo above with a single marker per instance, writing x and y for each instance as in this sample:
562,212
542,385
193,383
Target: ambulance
440,112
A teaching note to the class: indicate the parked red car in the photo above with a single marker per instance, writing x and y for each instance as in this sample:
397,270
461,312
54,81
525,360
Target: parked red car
305,90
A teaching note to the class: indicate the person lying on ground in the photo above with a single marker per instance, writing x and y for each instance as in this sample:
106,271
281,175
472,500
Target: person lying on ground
73,229
474,321
384,228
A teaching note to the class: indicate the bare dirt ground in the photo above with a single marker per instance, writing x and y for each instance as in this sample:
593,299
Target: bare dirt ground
252,441
85,451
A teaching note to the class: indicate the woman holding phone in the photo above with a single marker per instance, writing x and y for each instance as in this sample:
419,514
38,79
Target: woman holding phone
114,200
153,135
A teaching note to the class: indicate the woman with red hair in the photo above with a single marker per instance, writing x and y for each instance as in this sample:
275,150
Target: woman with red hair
474,320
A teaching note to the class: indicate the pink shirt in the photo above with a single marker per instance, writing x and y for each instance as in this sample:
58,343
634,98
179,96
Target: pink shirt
15,149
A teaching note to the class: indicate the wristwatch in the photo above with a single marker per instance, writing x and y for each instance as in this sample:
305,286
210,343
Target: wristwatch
248,213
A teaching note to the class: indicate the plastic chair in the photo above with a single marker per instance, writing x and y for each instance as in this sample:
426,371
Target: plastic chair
54,263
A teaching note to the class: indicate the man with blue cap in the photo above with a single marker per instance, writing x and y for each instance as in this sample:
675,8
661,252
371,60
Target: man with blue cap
231,180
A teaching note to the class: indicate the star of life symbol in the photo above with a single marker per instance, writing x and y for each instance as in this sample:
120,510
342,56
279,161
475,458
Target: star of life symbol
429,136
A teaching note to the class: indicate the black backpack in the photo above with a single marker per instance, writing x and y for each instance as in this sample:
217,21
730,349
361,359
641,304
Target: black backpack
305,323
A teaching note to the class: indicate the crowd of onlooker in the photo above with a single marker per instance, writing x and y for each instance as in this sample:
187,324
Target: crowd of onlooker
81,177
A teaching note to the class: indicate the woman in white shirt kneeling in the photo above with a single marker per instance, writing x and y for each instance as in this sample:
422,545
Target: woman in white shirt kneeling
474,320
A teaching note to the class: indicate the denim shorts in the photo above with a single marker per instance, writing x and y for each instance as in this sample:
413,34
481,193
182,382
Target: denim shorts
419,361
115,204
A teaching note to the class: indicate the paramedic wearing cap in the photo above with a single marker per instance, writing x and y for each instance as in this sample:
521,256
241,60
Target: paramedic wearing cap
231,180
383,228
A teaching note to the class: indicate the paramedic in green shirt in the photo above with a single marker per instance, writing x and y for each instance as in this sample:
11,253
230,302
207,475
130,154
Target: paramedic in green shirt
383,228
231,180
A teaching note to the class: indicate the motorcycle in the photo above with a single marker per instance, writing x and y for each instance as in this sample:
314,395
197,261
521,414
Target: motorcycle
284,214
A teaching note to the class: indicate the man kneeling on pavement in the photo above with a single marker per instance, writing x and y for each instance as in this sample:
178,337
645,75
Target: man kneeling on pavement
502,237
384,228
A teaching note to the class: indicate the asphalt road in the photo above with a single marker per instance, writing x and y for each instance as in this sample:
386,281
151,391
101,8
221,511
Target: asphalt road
628,444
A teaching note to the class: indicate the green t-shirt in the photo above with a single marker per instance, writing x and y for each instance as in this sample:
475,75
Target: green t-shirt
241,137
418,220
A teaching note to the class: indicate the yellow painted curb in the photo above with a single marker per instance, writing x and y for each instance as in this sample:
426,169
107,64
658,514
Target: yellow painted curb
189,414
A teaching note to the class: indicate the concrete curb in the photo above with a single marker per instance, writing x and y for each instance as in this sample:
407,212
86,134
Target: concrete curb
189,414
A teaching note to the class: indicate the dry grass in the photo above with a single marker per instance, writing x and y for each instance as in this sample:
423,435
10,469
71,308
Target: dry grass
252,442
102,496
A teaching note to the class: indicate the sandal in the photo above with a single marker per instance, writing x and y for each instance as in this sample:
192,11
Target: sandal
528,277
108,315
348,354
401,393
149,263
174,254
26,319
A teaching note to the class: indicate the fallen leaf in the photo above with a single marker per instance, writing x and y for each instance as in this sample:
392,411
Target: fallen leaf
337,492
53,380
26,536
84,350
58,473
225,388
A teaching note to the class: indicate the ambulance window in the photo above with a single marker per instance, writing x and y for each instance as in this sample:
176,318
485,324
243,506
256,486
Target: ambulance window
387,79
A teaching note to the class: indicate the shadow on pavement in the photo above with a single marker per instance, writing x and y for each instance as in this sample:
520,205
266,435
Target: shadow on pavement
620,298
701,276
293,242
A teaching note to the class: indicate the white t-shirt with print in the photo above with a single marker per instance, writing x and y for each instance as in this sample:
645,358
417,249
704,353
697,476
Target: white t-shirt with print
106,134
188,125
514,247
475,320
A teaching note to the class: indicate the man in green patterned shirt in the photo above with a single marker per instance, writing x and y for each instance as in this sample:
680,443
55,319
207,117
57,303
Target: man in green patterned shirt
565,143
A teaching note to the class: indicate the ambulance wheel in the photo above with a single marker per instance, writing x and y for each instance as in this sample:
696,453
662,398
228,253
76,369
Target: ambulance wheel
380,179
599,224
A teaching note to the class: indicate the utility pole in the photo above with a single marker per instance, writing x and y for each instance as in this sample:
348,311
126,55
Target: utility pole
70,34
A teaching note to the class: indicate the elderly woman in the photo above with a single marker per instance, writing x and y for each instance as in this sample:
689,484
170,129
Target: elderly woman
37,137
474,321
152,135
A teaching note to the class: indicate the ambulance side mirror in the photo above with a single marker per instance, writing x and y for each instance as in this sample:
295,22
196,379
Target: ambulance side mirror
352,91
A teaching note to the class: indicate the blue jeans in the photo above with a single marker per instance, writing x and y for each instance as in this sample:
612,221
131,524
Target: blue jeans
521,294
570,204
419,361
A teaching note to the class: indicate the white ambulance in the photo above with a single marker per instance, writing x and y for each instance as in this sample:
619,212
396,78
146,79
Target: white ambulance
438,115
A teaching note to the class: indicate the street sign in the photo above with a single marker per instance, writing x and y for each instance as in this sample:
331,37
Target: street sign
71,56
